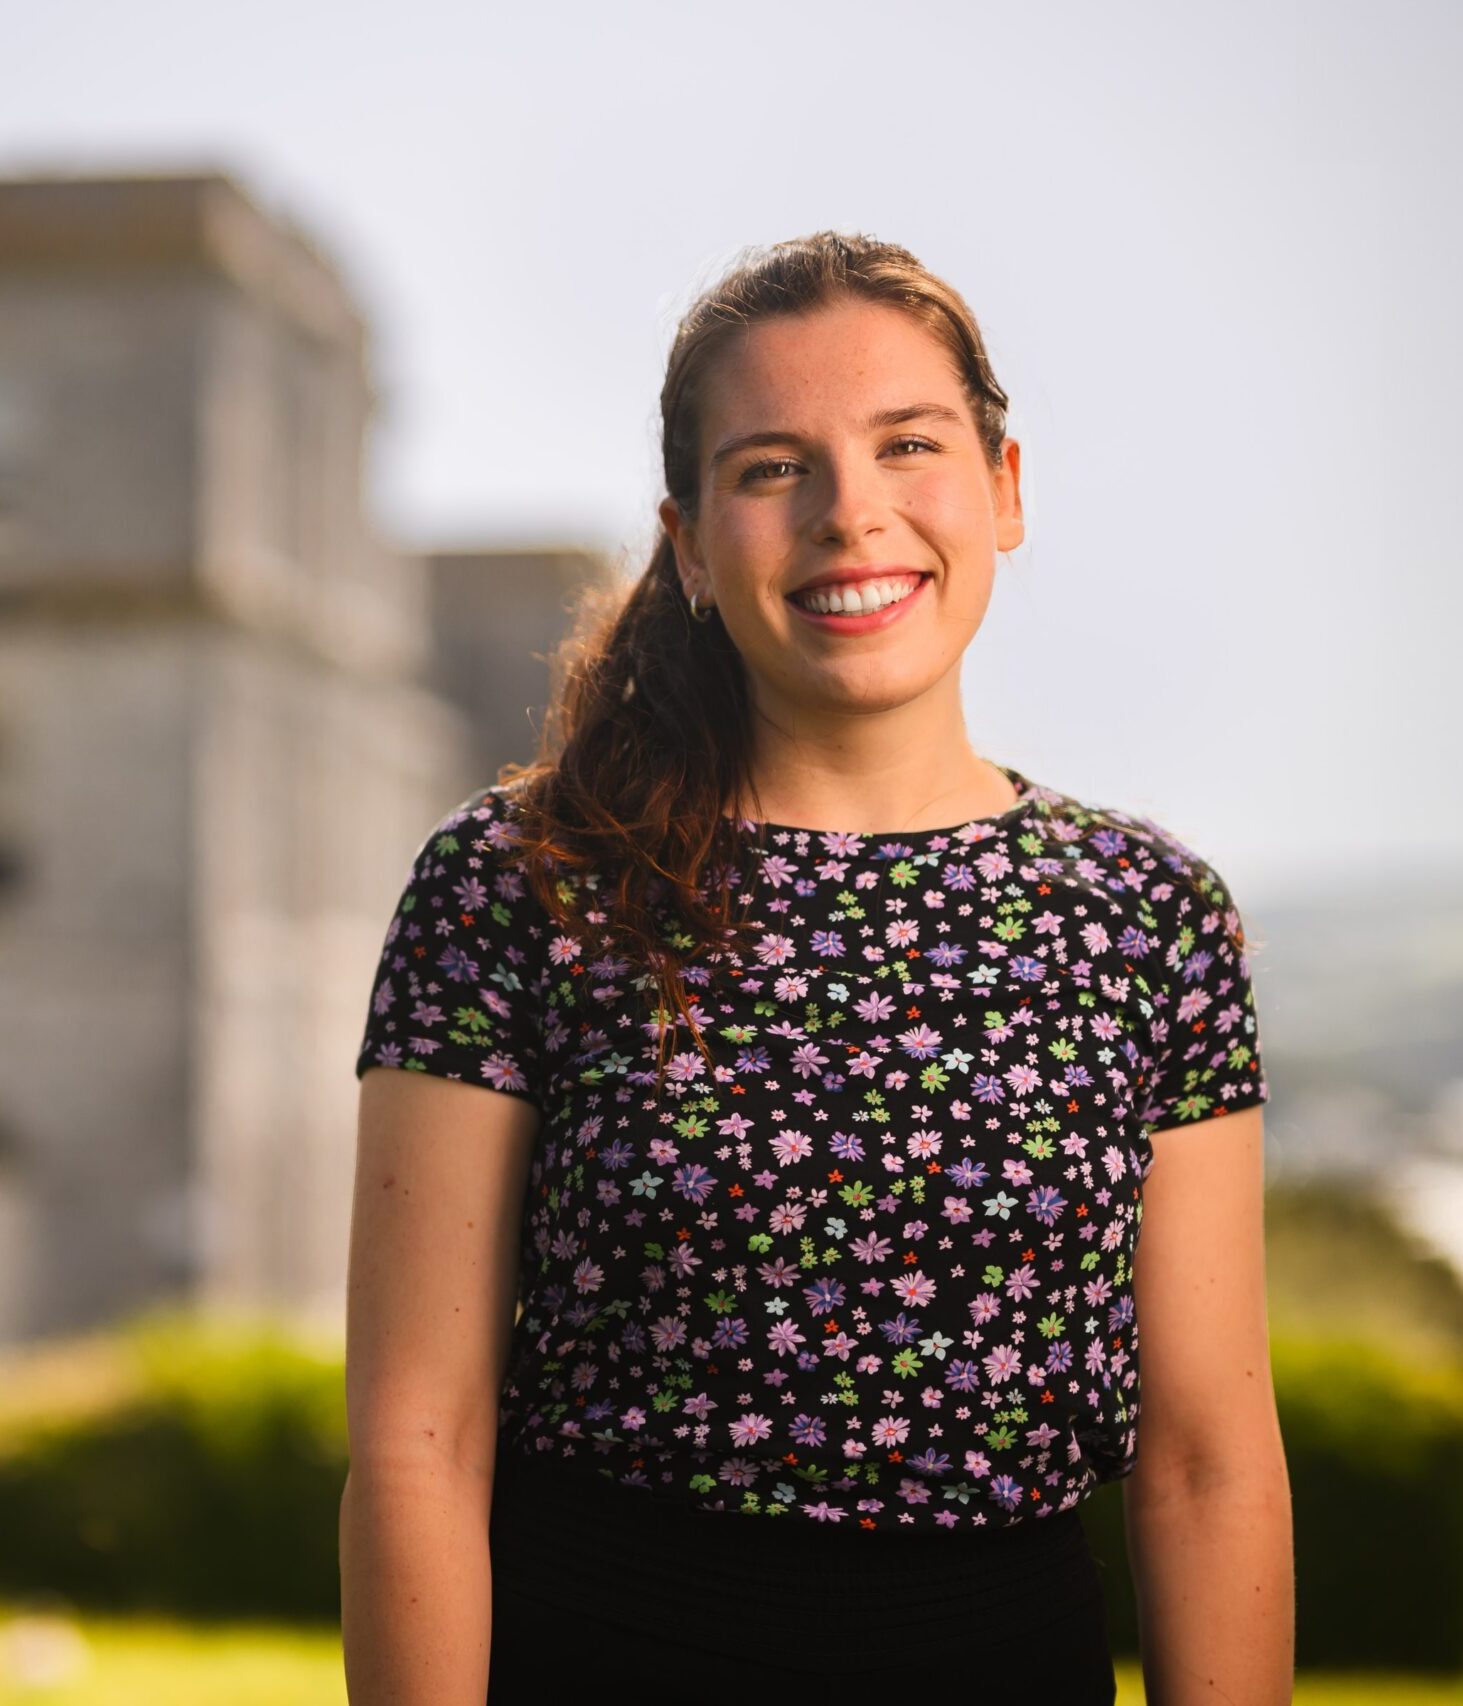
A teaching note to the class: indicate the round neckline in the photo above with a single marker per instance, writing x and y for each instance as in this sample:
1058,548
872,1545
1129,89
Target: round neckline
1022,784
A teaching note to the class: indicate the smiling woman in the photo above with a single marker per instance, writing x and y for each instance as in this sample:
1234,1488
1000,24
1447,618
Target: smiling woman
809,1070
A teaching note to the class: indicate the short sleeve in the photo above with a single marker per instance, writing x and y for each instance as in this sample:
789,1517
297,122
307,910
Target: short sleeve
1206,1033
455,992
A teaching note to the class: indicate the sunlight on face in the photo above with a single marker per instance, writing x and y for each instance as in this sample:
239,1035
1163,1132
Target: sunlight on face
822,488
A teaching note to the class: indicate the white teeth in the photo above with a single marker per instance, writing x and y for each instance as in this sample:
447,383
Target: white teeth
857,599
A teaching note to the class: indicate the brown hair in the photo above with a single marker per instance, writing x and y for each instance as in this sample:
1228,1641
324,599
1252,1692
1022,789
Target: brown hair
646,735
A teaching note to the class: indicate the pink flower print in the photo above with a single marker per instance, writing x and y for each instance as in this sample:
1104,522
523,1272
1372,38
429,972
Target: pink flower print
564,950
874,1009
1002,1363
872,1249
902,933
503,1074
921,1042
787,1217
1016,1170
790,1146
890,1431
683,1068
956,1210
1112,1160
808,1060
776,870
748,1429
774,950
784,1337
915,1288
668,1333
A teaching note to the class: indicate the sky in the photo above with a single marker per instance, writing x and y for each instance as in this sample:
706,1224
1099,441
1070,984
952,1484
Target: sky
1215,255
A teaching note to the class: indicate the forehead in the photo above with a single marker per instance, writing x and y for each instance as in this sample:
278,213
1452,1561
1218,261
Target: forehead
864,353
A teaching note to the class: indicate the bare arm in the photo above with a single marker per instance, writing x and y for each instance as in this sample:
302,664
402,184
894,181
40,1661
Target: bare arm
1207,1509
441,1171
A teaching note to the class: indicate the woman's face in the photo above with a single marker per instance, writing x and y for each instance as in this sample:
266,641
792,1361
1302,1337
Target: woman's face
835,486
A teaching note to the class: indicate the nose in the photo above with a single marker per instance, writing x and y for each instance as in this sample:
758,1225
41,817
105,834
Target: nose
849,501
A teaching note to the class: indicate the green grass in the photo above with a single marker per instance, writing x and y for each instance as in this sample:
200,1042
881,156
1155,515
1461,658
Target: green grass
155,1662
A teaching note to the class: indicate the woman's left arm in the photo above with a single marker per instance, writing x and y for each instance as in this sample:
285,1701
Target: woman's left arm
1207,1507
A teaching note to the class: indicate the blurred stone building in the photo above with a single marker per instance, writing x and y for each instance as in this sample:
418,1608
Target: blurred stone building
229,714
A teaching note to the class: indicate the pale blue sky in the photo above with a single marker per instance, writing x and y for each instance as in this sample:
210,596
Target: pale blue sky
1216,256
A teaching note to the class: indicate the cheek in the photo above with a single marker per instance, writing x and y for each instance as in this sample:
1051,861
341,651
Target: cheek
959,506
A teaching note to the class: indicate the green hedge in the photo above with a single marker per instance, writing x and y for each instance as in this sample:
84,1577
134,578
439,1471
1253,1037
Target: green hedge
209,1485
199,1468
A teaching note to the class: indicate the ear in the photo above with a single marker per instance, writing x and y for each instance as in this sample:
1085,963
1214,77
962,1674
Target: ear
1010,523
682,535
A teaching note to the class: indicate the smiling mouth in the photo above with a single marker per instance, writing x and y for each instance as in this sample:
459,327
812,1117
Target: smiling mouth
857,598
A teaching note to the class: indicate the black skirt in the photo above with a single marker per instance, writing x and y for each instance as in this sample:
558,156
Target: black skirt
596,1585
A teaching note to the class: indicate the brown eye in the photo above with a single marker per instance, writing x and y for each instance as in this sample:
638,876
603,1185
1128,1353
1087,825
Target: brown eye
775,462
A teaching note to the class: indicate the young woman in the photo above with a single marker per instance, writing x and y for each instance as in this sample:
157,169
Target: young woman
806,1076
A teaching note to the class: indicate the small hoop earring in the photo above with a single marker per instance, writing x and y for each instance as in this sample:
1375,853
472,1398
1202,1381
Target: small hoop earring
701,615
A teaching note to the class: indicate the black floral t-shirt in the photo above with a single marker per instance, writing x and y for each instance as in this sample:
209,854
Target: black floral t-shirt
875,1267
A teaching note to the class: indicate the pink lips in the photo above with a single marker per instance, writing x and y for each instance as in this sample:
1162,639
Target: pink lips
837,624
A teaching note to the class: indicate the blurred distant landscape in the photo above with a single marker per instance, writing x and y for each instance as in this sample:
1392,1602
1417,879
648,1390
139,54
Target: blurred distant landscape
1360,996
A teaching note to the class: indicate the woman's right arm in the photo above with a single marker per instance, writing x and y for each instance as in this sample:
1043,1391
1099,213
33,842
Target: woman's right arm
441,1170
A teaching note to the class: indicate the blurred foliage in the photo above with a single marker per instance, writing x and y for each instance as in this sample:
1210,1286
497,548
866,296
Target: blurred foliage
195,1466
1339,1265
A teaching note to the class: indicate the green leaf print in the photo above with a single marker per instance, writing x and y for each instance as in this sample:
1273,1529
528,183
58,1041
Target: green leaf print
991,1274
1192,1107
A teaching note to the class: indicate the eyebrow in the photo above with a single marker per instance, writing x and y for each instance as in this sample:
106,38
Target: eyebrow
881,418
